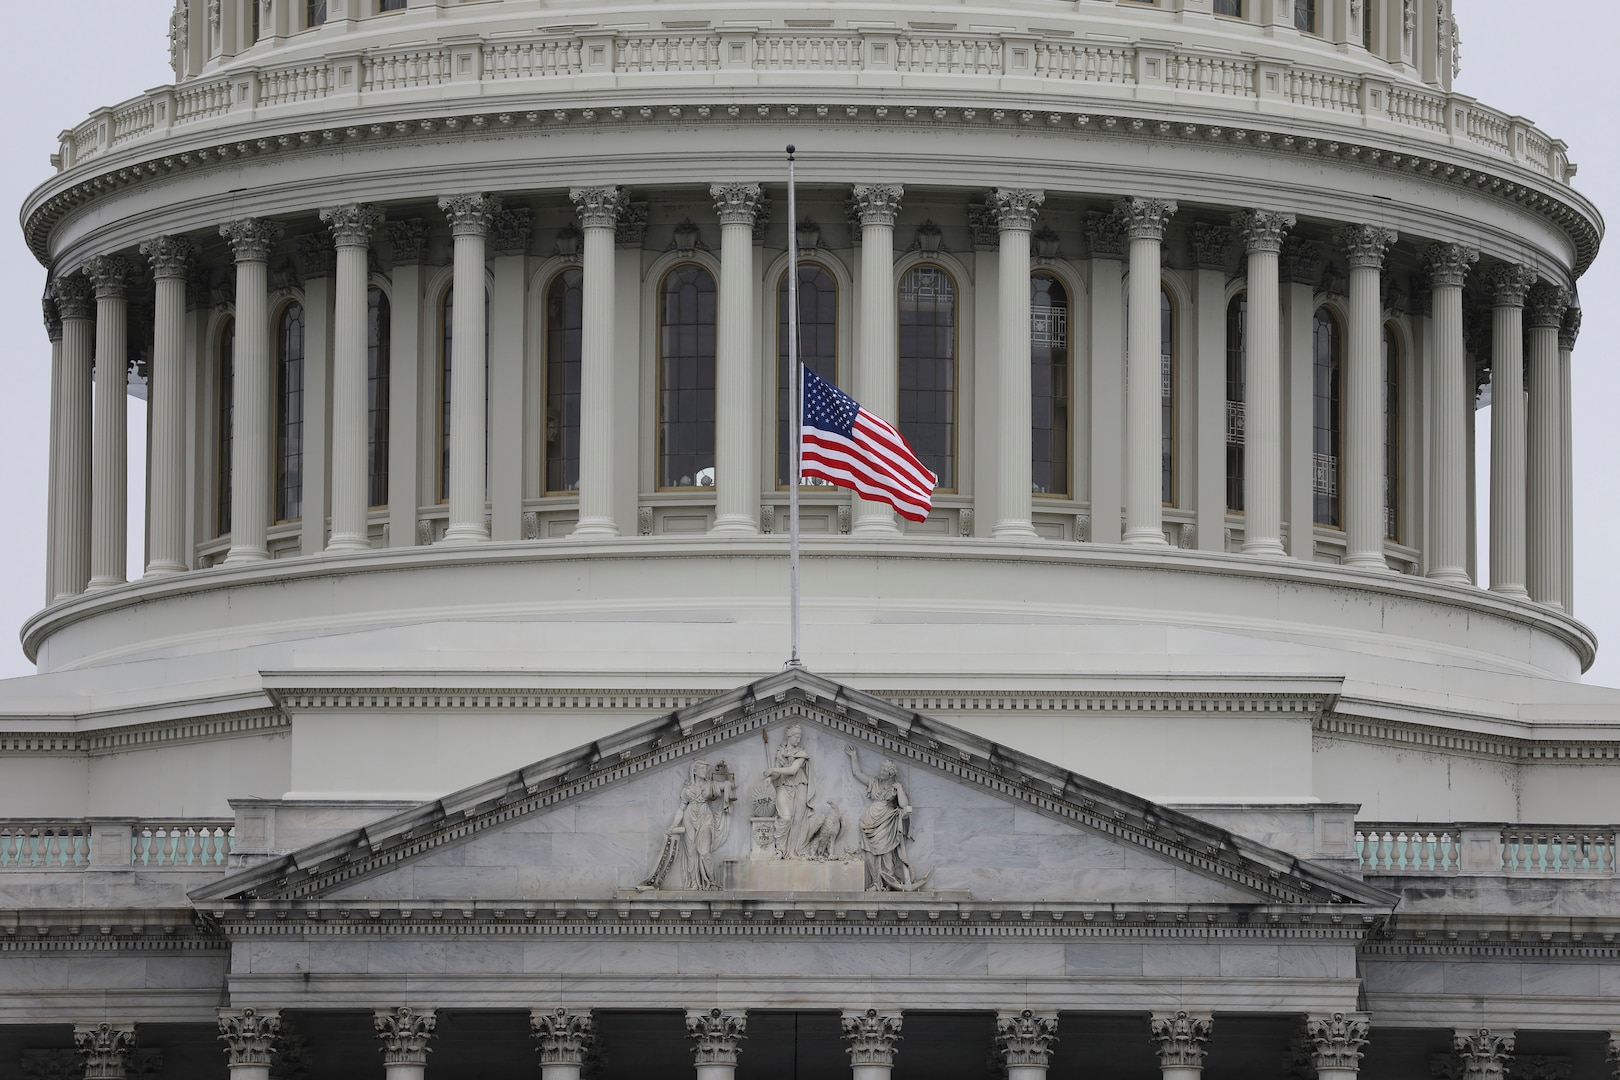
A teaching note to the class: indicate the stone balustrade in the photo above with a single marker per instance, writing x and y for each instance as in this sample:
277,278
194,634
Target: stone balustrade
101,845
1516,850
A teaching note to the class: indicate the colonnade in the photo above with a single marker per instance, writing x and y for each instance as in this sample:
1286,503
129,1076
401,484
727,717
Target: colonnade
1530,455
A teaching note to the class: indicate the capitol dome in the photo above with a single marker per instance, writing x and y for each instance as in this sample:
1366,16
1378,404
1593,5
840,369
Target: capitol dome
1189,305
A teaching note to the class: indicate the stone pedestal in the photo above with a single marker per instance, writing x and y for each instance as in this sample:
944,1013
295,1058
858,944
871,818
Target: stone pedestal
793,875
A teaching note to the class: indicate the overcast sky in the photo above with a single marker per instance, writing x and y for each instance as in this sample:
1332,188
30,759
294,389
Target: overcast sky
1552,64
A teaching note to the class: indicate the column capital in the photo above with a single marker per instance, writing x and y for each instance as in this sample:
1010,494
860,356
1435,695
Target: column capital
408,240
1448,264
1335,1040
75,297
1485,1054
53,319
716,1034
317,257
170,256
1262,230
1144,219
1179,1038
1364,245
511,230
1026,1037
1569,329
736,202
471,214
599,207
352,224
1016,208
251,238
1299,259
871,1036
1105,235
110,276
877,204
106,1049
561,1037
1509,283
1210,244
251,1036
1545,304
404,1033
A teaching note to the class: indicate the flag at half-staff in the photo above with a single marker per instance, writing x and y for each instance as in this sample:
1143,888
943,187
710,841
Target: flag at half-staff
844,444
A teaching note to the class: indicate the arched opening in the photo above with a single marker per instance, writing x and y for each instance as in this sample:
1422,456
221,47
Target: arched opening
289,480
1328,421
927,376
686,377
565,334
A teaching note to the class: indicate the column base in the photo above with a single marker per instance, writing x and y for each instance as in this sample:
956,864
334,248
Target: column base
597,528
1368,561
465,534
1512,592
1266,549
1145,537
164,569
345,542
1450,575
243,555
1016,529
734,525
98,584
874,528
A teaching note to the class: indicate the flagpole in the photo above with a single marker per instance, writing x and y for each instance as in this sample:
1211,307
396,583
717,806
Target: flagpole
795,435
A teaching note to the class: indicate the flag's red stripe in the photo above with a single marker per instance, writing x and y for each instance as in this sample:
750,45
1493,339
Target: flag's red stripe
838,452
893,447
832,458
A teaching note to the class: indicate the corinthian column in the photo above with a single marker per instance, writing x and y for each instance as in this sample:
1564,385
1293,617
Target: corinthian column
1015,210
106,1049
871,1037
1363,479
1144,221
53,467
598,209
562,1038
736,433
1508,284
404,1034
1485,1054
1024,1041
1544,492
351,228
251,391
166,527
70,494
1567,333
1448,266
251,1037
877,385
470,217
1263,233
1179,1038
109,476
1335,1044
716,1037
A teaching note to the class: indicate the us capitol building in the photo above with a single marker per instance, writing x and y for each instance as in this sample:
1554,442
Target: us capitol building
447,733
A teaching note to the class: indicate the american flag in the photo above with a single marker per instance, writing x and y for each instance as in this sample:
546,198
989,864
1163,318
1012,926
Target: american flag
843,443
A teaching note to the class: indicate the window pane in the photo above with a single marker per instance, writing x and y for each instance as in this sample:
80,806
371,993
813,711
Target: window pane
818,350
1049,385
290,414
927,325
1328,437
1237,352
565,321
1167,398
1392,436
227,417
391,5
378,362
1229,7
1305,15
686,378
314,12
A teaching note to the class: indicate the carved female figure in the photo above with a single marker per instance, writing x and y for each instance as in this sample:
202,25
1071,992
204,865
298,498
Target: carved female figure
795,780
697,830
883,827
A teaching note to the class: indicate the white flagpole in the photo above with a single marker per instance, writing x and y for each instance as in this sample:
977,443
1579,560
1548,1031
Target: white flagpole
795,435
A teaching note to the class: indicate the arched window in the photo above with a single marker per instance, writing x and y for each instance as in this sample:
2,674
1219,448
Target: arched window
818,350
447,320
1237,363
290,413
227,418
1327,365
1049,385
379,359
928,369
1392,435
565,323
686,339
1167,397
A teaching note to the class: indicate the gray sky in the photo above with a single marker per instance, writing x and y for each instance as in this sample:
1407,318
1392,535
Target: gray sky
1551,65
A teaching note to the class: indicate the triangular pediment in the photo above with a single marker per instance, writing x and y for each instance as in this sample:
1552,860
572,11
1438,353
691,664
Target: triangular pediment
987,825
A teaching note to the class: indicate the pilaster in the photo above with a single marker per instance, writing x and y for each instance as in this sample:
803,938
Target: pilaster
470,219
508,330
1208,366
1105,235
1024,1042
407,241
736,435
352,227
1262,232
1015,210
1362,475
599,210
876,356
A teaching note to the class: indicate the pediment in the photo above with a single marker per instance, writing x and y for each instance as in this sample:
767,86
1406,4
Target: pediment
986,825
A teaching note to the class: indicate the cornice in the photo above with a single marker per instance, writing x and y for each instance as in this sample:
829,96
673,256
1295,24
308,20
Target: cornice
114,740
1454,741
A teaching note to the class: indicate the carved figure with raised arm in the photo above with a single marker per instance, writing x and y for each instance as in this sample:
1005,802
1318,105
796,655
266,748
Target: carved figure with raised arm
884,828
793,775
697,829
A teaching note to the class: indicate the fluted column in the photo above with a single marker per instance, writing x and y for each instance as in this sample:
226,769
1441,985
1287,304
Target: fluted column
717,1037
351,227
877,382
736,431
1263,233
251,394
109,474
1015,210
106,1049
1485,1054
403,1034
1508,284
53,465
251,1037
872,1037
1450,405
1567,333
70,493
562,1039
1024,1042
470,217
166,528
1335,1043
1144,221
598,209
1544,489
1362,480
1179,1038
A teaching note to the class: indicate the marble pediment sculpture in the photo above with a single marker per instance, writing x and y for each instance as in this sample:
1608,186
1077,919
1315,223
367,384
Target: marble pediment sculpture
792,786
